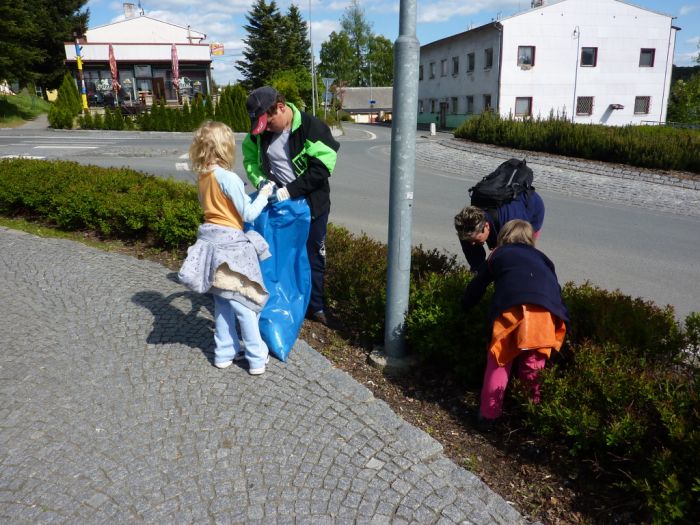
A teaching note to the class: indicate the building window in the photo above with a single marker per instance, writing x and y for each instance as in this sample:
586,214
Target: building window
589,56
488,58
432,70
487,102
471,61
455,65
526,56
641,105
455,105
420,106
646,57
470,104
420,72
523,106
432,105
584,106
443,67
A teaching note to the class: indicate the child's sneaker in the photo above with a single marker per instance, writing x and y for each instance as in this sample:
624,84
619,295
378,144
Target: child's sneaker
259,371
225,364
240,356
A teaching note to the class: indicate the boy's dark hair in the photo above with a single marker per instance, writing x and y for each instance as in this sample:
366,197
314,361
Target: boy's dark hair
470,221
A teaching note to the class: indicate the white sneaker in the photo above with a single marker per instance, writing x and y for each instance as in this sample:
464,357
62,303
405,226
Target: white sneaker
225,364
259,371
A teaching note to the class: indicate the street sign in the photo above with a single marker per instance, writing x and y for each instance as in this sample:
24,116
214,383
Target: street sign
327,82
371,101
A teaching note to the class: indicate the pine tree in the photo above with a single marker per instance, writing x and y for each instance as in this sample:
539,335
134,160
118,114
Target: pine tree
263,54
208,108
240,119
294,34
186,117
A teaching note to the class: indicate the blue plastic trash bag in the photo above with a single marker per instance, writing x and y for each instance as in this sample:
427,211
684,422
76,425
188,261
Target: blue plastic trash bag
287,274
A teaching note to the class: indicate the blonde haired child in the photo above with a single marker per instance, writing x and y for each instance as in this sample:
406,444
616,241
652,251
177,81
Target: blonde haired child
224,260
527,314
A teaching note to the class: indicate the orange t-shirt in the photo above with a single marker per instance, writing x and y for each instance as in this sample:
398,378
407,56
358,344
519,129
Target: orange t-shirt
218,208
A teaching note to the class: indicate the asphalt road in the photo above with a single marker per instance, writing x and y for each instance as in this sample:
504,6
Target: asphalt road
613,236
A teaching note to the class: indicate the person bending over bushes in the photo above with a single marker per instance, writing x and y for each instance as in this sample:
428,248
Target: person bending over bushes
527,313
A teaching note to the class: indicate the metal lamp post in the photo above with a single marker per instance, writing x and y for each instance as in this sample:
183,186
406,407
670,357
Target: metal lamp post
313,70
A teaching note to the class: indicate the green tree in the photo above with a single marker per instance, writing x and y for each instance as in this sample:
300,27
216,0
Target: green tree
58,20
684,103
263,54
32,33
294,35
359,31
381,58
240,120
295,85
338,59
18,60
355,54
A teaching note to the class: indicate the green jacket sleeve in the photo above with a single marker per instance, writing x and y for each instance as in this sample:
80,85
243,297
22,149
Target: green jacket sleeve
251,161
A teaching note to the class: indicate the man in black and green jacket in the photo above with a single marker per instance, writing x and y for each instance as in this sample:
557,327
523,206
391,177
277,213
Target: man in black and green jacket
298,153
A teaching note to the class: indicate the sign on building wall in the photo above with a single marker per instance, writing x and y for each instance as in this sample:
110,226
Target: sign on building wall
216,49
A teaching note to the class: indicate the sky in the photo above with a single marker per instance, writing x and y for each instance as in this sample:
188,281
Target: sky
223,21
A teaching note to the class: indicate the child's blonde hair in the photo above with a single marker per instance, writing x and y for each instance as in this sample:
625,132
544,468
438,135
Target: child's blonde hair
516,231
213,143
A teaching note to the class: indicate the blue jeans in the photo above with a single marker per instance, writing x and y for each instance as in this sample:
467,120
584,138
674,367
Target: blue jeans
226,311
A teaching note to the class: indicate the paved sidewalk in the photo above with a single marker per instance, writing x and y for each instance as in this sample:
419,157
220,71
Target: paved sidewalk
111,412
40,122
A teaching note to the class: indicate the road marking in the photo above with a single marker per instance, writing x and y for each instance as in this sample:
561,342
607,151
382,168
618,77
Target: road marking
30,157
182,166
65,147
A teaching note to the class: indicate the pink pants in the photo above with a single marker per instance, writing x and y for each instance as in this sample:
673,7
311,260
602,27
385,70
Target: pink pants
496,380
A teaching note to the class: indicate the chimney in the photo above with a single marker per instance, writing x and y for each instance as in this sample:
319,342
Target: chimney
537,3
129,10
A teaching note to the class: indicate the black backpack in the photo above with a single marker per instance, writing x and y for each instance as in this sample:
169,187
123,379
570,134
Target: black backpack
509,180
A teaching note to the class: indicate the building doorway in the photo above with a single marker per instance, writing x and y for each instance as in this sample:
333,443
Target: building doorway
443,115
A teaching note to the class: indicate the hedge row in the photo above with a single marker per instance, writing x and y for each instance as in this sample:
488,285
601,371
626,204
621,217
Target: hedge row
657,147
116,203
624,394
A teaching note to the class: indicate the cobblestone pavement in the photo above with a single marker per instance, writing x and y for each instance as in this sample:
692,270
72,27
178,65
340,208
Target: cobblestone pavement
111,412
596,180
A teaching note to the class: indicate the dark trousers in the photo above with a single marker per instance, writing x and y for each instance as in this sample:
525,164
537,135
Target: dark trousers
316,251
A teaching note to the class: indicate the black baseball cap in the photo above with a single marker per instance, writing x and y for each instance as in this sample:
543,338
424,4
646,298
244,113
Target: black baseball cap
259,101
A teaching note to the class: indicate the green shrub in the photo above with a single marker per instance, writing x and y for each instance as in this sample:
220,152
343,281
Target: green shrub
113,202
356,280
639,423
645,146
60,117
639,326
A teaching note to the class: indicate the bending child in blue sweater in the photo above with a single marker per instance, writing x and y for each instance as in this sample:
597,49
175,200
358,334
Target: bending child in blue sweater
527,313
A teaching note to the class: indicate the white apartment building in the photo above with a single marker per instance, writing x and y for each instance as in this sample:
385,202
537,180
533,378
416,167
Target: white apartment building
147,52
596,61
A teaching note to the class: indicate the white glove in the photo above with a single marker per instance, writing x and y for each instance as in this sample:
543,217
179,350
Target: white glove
266,189
282,194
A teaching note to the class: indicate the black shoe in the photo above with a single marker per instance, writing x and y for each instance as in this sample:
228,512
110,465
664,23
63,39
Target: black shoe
484,424
319,317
